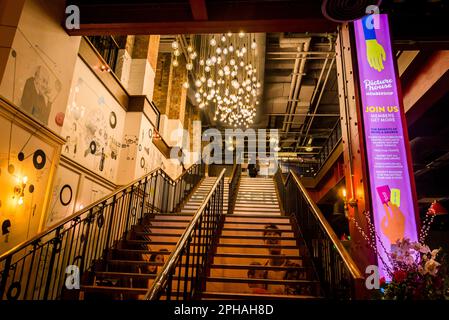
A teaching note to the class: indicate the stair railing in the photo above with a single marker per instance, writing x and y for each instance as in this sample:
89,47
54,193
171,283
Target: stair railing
233,186
183,275
53,261
338,274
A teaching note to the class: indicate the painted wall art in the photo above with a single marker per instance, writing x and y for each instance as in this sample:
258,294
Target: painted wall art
40,66
64,195
94,124
25,169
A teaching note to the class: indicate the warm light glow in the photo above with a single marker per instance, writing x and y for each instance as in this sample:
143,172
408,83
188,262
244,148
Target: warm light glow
20,201
25,179
343,192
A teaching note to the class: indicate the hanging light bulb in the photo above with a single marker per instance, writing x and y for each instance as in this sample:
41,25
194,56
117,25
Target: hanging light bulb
202,62
175,44
225,51
231,48
229,34
254,44
218,50
213,42
189,49
186,85
223,38
189,66
175,63
241,34
207,69
193,55
198,83
176,53
243,50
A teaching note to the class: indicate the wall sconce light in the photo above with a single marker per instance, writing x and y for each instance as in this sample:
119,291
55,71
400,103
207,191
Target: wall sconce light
105,68
348,203
19,190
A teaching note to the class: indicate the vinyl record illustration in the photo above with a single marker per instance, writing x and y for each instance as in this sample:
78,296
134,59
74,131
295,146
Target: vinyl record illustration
65,195
113,120
39,159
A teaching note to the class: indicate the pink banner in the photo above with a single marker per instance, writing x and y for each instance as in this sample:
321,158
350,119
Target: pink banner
389,175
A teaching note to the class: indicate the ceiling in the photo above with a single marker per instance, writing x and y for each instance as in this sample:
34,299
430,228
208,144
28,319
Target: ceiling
299,85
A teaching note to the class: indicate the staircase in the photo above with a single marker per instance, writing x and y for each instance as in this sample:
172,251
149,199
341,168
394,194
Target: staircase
133,264
258,255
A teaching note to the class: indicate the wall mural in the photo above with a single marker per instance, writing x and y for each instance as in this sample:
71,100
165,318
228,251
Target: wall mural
64,194
25,165
39,70
94,124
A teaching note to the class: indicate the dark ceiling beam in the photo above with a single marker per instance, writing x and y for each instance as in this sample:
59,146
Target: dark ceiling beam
175,18
204,27
199,10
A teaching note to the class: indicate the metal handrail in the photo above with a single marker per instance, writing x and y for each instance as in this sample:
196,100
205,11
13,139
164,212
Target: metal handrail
83,211
87,235
337,271
233,182
169,268
346,257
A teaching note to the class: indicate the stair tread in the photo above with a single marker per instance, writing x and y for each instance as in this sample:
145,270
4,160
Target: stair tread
253,280
245,245
255,256
254,237
247,266
231,295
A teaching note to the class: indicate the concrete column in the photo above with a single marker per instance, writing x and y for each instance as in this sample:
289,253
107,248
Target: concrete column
123,67
142,70
10,12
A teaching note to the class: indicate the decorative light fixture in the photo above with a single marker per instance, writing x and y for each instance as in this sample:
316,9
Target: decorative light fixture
224,77
19,190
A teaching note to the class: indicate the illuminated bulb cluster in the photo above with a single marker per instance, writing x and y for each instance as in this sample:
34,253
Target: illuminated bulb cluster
192,54
226,78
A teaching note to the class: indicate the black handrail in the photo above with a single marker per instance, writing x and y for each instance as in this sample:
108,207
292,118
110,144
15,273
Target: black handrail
233,186
36,269
339,275
185,269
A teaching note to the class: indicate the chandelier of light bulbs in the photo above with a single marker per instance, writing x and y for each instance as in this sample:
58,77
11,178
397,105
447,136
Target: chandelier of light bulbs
225,75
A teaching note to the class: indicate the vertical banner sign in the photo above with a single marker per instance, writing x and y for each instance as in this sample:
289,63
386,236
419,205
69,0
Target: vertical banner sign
389,176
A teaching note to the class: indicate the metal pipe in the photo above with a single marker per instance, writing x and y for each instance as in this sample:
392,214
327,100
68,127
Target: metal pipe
309,125
316,88
297,88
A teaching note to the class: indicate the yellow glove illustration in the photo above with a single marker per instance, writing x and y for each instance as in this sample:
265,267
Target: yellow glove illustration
375,54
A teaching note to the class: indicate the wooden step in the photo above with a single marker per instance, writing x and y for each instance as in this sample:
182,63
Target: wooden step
255,223
254,246
254,256
254,237
262,281
258,267
252,296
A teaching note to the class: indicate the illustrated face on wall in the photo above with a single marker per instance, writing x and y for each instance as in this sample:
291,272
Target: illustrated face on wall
272,236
